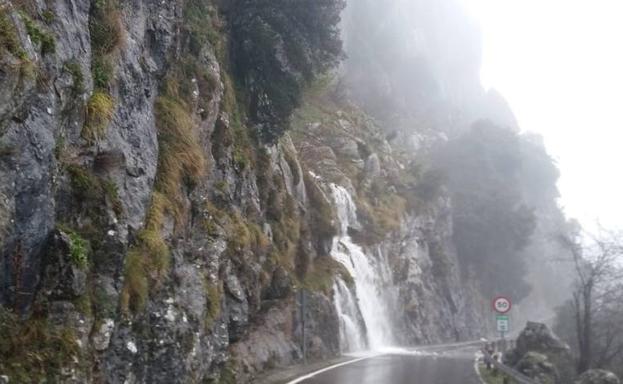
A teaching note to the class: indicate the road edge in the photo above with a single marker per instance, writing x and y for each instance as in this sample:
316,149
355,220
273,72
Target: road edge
477,368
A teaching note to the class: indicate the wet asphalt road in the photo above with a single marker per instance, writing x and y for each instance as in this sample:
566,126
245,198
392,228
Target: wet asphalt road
440,365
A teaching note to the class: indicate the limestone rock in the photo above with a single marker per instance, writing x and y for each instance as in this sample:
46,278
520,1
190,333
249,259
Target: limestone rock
537,340
598,376
537,366
101,336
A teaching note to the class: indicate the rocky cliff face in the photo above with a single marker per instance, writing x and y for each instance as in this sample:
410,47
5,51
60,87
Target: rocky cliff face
400,220
156,226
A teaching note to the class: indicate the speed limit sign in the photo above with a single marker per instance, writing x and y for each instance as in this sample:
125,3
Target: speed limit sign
501,304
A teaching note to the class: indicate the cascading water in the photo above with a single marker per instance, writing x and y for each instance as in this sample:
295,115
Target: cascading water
364,314
352,334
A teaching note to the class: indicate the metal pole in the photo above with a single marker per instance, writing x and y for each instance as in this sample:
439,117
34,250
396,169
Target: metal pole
304,346
503,349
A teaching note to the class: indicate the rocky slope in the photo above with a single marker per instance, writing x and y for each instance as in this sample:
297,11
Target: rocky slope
156,223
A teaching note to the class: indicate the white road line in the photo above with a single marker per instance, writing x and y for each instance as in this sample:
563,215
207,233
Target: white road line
477,369
390,351
310,375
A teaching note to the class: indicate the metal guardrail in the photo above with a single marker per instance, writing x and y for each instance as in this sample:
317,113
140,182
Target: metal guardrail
514,374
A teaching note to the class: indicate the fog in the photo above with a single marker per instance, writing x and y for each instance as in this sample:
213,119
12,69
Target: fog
558,63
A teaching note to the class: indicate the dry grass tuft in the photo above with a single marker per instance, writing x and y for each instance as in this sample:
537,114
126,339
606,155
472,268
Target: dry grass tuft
181,159
148,260
100,110
181,164
213,308
323,271
9,41
33,351
107,32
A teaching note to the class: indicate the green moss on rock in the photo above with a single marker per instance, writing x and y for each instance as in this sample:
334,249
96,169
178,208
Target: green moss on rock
322,275
38,35
79,249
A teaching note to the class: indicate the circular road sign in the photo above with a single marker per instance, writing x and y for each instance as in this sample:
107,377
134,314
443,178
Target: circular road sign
501,304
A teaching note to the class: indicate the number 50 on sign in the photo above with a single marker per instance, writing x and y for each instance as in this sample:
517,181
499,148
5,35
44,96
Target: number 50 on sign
501,304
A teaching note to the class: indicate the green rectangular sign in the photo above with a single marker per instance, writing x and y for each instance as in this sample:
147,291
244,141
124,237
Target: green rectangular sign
502,323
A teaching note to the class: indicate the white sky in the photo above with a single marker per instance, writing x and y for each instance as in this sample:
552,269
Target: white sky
559,63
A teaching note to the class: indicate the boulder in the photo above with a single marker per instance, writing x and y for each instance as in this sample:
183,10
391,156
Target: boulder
537,366
598,376
538,337
538,340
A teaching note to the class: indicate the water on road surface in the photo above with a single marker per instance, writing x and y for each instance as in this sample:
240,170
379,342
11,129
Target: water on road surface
440,365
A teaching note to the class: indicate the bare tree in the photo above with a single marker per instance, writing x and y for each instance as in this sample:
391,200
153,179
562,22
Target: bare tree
597,264
608,338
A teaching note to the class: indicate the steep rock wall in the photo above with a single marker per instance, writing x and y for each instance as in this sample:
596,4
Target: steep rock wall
401,221
148,236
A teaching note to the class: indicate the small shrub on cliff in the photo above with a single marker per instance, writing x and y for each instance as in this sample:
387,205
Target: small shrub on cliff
79,250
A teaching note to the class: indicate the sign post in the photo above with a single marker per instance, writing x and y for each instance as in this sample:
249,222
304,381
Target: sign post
502,305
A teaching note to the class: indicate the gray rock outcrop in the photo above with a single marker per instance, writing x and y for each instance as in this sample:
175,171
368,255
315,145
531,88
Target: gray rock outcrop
598,376
540,353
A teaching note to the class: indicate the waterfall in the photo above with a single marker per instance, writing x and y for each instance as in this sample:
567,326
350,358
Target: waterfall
352,334
365,320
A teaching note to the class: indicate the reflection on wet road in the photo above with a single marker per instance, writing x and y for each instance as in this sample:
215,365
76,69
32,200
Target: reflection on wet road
436,365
